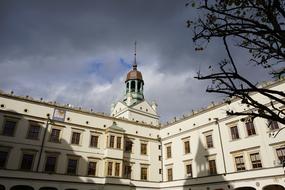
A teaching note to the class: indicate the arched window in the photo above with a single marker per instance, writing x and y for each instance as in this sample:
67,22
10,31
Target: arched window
139,86
2,187
273,187
127,87
133,86
48,188
22,187
245,188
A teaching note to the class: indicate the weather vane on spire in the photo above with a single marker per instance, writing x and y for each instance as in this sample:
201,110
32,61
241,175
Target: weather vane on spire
135,54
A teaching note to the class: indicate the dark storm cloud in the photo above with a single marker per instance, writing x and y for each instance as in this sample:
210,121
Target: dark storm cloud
78,51
52,27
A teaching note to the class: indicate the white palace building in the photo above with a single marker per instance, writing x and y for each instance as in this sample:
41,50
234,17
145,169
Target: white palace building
47,146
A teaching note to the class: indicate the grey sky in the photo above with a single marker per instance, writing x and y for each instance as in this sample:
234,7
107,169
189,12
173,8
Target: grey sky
79,52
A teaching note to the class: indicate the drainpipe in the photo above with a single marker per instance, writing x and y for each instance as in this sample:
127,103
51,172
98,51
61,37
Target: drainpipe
49,121
221,143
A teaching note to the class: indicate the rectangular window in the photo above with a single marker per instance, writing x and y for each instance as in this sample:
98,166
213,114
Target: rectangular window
168,152
119,142
3,158
75,138
212,167
169,174
128,146
110,168
72,166
143,149
209,141
9,127
50,163
112,141
281,154
128,171
92,168
234,132
240,166
250,128
117,169
255,160
54,136
94,141
189,170
27,161
143,173
273,124
186,147
33,132
159,147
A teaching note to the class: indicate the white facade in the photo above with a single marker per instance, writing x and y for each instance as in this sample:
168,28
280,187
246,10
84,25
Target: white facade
224,149
141,112
79,149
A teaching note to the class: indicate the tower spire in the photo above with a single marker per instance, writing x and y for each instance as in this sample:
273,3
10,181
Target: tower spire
135,57
134,83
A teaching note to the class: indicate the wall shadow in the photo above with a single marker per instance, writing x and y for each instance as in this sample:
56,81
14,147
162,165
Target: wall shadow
204,179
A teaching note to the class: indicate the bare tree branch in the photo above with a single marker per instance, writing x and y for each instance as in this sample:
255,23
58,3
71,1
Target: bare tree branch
257,26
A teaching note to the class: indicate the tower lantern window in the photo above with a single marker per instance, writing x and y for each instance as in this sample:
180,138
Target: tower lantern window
133,85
